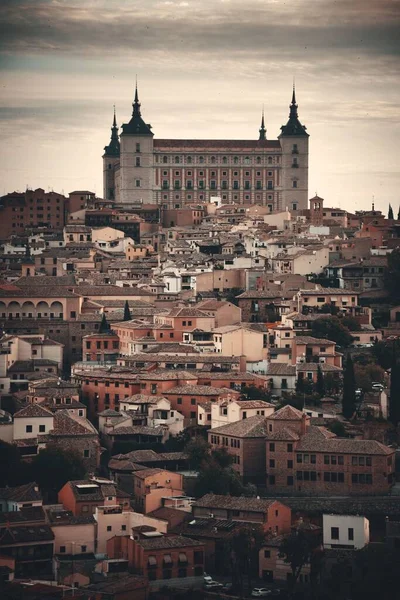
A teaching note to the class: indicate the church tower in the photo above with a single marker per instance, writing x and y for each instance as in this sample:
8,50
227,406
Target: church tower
135,176
110,161
294,174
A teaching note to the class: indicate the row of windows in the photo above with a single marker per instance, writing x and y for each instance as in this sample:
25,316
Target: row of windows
213,185
105,345
224,173
247,160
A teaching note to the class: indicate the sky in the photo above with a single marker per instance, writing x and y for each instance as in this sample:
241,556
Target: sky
205,68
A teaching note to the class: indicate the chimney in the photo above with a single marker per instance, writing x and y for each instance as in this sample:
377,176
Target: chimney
303,427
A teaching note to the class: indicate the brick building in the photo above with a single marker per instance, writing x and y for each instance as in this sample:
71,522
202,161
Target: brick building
159,557
33,208
303,459
272,515
100,347
83,497
245,442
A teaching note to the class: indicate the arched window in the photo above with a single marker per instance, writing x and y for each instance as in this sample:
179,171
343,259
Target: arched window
247,160
259,160
224,160
201,159
270,160
213,160
189,160
235,160
177,159
165,159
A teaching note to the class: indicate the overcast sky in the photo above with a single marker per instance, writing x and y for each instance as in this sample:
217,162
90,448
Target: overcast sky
205,68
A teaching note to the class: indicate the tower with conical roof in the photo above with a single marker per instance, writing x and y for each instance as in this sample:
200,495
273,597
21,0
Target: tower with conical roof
110,161
294,163
135,176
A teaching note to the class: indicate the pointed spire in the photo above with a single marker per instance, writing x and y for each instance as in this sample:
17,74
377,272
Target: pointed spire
293,105
136,103
262,130
294,92
113,147
293,127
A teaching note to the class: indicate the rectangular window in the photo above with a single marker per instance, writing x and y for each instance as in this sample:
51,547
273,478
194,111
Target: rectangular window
290,480
28,429
290,464
42,428
351,533
272,463
272,447
334,533
290,447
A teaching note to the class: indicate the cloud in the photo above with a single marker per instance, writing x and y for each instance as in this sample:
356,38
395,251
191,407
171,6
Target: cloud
245,28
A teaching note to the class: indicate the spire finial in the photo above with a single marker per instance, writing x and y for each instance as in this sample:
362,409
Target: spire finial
262,129
294,92
115,118
373,203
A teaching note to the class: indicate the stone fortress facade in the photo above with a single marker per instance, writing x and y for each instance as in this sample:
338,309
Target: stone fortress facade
172,173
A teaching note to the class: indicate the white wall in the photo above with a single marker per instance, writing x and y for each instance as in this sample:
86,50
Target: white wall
116,521
360,526
20,424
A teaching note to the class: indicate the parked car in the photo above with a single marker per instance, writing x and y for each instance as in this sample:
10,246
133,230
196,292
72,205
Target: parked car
213,585
260,592
207,578
378,386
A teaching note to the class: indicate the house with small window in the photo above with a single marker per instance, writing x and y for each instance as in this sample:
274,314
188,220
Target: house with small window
349,532
229,411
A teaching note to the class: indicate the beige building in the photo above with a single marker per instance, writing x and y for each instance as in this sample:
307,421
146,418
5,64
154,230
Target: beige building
230,411
113,521
319,296
174,173
32,421
241,340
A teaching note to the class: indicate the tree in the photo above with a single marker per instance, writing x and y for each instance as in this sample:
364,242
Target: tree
390,212
222,457
11,466
198,450
104,326
394,399
336,427
349,389
392,274
245,548
217,480
297,550
374,575
332,329
382,352
53,467
351,323
252,392
320,382
127,312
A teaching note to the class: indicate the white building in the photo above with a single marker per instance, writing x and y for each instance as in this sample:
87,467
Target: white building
225,411
345,531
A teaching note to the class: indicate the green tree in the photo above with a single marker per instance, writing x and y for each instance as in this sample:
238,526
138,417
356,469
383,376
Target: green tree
382,353
394,398
252,392
390,212
351,323
198,450
127,312
53,467
332,329
336,427
375,574
297,550
11,467
349,389
104,326
392,274
245,548
320,383
222,457
217,480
